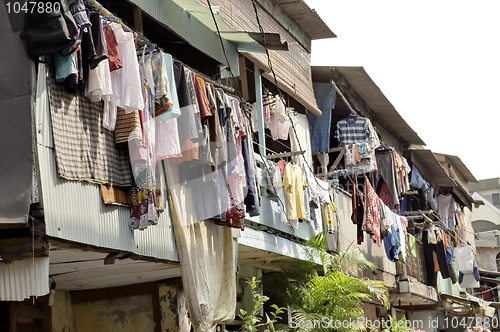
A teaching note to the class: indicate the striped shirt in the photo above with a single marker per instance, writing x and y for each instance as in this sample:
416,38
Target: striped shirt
353,129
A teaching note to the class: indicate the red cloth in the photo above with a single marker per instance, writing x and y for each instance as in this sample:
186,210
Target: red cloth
112,46
371,224
201,95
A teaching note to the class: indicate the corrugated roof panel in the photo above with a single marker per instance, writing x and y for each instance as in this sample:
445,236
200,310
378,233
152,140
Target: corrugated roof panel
24,278
385,114
308,19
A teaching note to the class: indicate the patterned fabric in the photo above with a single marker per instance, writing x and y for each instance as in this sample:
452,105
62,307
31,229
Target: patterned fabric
128,126
163,98
371,223
191,90
143,212
85,151
329,211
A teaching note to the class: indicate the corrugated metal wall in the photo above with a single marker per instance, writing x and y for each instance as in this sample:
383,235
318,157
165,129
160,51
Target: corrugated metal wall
74,210
23,278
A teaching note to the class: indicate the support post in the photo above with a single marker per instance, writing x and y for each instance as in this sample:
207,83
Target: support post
259,108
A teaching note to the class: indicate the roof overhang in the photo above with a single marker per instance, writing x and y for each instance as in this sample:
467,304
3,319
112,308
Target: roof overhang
412,293
381,111
194,23
202,13
77,269
271,40
468,304
433,171
307,18
461,167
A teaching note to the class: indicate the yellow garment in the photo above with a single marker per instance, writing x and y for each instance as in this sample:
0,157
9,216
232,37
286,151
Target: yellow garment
329,212
294,185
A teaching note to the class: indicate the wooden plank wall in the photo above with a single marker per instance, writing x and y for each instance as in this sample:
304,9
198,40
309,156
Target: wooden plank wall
292,67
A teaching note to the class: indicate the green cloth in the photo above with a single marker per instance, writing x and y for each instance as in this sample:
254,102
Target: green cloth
412,245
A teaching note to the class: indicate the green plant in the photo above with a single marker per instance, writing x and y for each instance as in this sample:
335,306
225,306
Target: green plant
332,295
252,320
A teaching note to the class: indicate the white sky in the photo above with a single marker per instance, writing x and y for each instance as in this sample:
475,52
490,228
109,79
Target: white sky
438,63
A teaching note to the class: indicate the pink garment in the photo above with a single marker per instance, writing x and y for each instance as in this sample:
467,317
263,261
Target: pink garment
280,124
281,165
267,112
371,223
404,223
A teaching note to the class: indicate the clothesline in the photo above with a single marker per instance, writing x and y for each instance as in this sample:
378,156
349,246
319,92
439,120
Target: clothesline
108,15
285,154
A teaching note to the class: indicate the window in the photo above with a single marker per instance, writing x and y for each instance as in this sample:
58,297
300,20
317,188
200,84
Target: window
495,199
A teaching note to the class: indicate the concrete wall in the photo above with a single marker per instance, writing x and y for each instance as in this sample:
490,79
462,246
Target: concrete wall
126,314
173,307
144,307
485,212
486,258
62,313
346,238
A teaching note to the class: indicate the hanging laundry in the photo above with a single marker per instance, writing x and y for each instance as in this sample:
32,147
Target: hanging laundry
162,89
98,84
371,221
358,210
465,262
294,185
446,210
300,138
434,254
113,52
126,81
427,192
168,83
319,126
279,123
357,135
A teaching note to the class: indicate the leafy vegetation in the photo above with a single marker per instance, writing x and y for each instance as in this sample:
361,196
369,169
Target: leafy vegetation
331,299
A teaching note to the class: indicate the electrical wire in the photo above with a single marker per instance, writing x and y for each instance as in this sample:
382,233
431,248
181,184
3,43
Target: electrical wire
280,93
235,82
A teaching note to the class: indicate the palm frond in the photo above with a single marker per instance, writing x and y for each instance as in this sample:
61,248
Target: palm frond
353,261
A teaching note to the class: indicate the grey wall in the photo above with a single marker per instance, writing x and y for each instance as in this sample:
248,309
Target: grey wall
15,123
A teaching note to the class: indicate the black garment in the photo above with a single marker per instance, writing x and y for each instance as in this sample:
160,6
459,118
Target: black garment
97,34
250,198
358,210
429,249
387,173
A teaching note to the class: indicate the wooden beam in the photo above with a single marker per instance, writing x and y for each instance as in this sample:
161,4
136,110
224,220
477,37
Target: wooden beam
138,23
243,77
337,161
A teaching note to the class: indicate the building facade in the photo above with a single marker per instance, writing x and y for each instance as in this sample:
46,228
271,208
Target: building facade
77,246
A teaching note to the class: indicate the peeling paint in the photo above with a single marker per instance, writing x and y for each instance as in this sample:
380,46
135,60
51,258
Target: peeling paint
62,313
127,314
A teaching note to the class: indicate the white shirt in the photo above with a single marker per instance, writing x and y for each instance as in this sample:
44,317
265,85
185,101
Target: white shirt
126,81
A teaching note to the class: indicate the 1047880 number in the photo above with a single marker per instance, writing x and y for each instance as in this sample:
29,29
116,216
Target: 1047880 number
40,7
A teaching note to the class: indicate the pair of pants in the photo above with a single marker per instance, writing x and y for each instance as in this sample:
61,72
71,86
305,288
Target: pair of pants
429,249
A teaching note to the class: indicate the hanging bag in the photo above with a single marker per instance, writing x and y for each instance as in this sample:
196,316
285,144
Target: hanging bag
49,29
